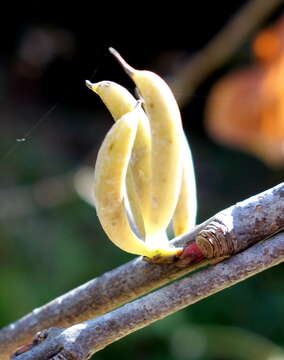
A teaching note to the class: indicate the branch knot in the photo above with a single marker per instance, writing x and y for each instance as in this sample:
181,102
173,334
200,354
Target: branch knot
215,240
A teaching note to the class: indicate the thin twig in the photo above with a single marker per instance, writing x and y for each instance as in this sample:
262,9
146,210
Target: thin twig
220,48
82,340
137,277
94,298
231,230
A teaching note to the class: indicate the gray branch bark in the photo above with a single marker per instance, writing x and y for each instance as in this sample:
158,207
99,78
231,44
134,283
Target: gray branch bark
138,277
94,298
82,340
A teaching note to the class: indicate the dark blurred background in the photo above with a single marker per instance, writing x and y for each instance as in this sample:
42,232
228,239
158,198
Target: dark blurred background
51,125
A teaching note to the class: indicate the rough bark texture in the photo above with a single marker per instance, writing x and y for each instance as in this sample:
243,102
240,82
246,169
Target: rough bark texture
243,224
82,340
94,298
137,277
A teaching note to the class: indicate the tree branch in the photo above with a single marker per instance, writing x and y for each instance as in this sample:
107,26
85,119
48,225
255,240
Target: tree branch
119,286
82,340
220,48
94,298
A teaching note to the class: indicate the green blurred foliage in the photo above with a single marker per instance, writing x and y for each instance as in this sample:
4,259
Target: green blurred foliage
48,248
